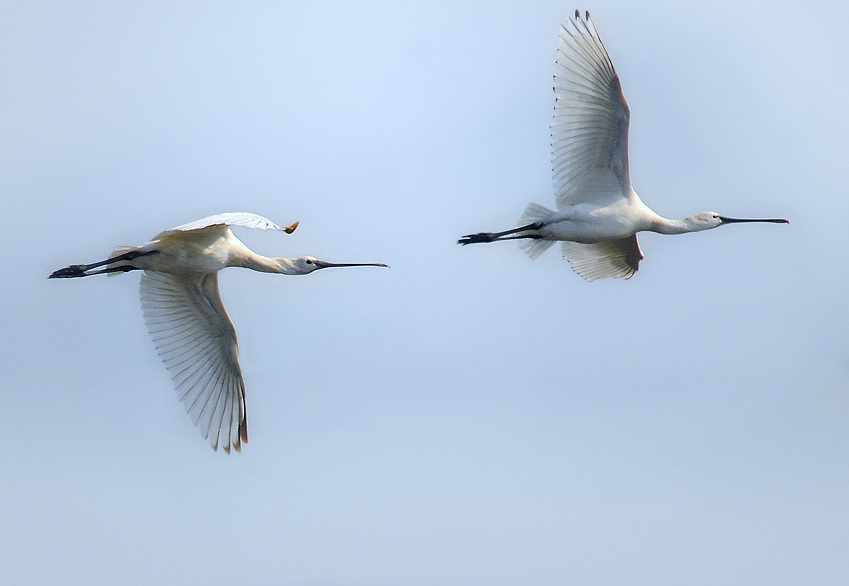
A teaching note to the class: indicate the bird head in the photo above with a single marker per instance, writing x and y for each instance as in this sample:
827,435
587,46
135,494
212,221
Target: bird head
304,265
708,220
705,221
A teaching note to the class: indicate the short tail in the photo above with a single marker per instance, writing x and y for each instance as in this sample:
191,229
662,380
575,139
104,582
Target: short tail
123,252
535,214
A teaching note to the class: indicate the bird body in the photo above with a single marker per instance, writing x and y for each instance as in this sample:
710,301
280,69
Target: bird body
588,224
204,246
186,318
599,213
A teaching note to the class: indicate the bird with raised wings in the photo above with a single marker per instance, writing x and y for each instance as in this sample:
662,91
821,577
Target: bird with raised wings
186,318
598,212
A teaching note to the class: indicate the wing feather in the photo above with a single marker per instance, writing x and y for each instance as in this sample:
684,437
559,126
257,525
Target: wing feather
591,117
220,223
611,258
197,342
241,219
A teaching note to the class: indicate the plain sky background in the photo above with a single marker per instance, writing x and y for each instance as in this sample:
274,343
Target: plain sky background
469,416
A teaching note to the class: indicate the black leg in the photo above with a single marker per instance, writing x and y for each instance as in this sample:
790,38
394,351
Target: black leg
120,269
72,271
505,235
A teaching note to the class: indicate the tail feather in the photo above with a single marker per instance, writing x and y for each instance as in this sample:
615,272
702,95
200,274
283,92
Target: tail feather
535,247
535,213
119,250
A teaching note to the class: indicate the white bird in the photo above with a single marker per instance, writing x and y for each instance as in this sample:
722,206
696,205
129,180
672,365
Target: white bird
186,318
598,213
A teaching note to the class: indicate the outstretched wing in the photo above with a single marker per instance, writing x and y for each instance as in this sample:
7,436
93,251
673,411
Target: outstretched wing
219,224
589,132
242,219
611,258
197,342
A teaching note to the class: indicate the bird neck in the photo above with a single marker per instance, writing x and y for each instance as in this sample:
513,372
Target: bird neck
265,264
666,226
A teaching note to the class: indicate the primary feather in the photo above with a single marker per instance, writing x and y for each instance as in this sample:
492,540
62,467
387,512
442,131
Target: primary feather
589,132
241,219
197,342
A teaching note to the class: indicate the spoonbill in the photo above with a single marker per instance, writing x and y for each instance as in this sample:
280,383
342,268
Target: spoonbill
599,213
185,316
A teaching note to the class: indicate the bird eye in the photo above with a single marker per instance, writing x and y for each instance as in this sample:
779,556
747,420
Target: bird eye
309,262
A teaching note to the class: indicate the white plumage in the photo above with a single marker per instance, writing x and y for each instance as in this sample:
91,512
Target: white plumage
241,219
186,318
598,212
197,342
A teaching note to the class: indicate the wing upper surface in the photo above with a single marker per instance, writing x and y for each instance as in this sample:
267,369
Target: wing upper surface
242,219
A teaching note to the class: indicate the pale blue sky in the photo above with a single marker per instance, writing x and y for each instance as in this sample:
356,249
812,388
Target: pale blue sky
469,416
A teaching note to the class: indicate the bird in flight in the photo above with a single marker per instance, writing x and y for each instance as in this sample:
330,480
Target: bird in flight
185,316
598,212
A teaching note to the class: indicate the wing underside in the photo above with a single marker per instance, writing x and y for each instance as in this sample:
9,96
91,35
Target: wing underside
611,258
197,342
589,132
